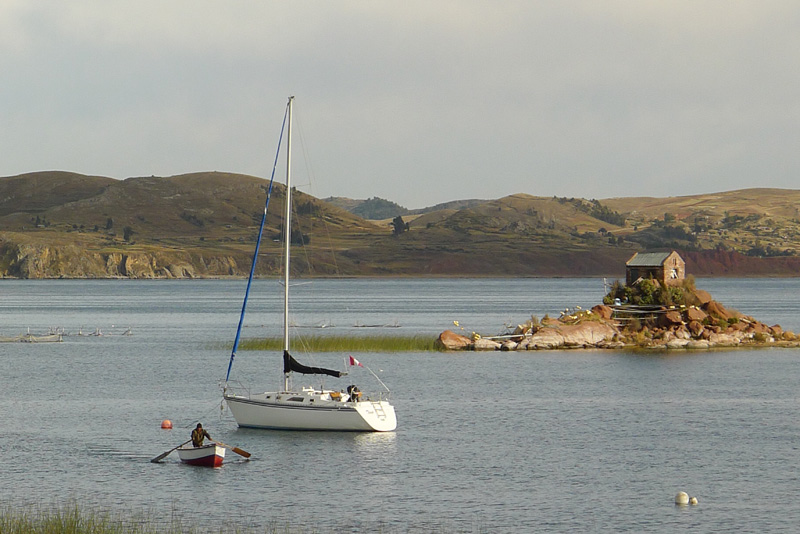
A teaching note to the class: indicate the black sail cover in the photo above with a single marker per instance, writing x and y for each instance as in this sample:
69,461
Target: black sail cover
290,364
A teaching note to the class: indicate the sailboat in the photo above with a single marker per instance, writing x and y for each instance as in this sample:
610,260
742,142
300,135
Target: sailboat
306,408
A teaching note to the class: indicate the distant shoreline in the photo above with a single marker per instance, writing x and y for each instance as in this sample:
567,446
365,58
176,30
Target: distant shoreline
610,278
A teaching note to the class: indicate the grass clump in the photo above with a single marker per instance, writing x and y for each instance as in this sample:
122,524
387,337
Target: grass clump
347,344
76,519
72,520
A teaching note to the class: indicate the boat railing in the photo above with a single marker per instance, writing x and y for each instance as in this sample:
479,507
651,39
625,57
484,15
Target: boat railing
381,396
234,387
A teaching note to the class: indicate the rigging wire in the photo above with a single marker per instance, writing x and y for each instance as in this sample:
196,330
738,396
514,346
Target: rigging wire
299,221
258,245
311,175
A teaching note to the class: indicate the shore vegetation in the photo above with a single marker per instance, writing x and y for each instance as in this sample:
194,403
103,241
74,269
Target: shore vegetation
78,519
381,343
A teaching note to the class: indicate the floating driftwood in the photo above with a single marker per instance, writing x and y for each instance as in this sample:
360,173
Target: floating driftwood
30,338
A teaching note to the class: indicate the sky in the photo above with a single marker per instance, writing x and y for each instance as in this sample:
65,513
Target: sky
418,102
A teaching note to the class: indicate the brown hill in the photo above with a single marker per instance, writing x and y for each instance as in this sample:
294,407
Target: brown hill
519,235
57,224
39,191
781,203
752,222
201,224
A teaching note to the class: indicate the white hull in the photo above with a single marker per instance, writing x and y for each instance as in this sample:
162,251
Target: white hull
207,455
310,411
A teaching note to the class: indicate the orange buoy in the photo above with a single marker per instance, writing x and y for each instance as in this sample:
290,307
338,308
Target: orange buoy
166,423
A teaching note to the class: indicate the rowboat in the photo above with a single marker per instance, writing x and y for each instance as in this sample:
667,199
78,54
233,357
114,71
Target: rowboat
210,455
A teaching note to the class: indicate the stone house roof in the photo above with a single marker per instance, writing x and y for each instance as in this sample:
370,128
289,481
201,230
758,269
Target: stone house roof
648,259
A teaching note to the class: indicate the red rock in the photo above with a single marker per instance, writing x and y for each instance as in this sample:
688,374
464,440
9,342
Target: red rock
449,340
695,314
695,328
672,317
589,333
546,338
704,297
715,309
603,311
509,345
485,344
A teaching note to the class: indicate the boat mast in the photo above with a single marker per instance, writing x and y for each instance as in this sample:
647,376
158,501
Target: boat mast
287,238
255,252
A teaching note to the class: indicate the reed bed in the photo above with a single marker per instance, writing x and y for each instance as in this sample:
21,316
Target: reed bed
391,343
74,519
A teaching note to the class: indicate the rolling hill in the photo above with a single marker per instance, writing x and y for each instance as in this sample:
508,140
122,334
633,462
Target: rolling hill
60,224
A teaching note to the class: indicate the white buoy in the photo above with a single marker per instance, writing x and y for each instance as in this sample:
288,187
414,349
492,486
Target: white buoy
692,500
682,498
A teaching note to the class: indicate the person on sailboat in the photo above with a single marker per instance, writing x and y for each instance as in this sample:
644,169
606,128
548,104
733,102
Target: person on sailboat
354,392
198,435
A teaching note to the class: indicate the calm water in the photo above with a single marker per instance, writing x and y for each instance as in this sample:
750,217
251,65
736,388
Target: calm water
486,442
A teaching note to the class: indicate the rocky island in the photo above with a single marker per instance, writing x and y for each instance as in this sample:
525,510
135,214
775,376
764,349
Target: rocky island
657,308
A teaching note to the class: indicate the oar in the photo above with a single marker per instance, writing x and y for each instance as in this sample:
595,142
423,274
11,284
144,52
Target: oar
237,450
164,455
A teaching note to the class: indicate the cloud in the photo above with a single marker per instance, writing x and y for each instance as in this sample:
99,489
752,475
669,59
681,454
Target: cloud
420,103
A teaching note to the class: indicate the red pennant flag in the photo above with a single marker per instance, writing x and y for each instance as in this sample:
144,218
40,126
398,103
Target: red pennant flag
353,361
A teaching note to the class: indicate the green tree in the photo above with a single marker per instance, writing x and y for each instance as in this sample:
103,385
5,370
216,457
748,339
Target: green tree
399,226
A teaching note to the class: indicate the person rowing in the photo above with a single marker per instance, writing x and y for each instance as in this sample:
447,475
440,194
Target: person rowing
198,435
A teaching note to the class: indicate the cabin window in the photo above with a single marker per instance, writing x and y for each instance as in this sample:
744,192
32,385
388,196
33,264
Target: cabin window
295,399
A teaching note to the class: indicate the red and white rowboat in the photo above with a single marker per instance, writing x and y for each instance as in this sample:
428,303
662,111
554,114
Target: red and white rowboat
207,456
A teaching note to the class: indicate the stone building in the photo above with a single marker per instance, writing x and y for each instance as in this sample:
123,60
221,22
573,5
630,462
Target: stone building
666,267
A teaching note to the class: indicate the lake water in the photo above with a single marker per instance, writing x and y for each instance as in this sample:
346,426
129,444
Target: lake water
571,441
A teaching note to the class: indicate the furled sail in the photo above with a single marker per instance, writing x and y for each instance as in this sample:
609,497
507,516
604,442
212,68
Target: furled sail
290,364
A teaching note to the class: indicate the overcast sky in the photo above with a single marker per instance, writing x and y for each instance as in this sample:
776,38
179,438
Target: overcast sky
419,102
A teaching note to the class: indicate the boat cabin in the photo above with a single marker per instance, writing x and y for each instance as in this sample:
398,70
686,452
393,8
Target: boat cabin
666,267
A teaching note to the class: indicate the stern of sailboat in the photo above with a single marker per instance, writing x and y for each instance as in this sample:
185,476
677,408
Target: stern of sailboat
377,414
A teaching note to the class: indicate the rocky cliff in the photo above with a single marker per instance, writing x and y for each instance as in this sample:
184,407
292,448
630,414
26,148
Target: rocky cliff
35,261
